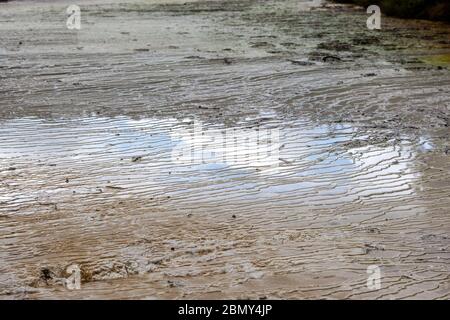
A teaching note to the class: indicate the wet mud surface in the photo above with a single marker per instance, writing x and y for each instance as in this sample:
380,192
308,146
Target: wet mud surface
357,174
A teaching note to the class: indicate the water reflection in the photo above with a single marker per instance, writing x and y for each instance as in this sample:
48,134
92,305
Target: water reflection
290,161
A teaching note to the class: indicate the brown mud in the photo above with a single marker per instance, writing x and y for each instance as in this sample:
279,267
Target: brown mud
89,120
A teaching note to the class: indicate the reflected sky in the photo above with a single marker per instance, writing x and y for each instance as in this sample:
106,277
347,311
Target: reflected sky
302,162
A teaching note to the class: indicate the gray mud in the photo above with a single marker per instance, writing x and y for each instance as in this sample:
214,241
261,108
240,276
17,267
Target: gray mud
89,121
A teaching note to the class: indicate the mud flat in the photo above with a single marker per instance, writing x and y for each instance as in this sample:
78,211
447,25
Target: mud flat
355,169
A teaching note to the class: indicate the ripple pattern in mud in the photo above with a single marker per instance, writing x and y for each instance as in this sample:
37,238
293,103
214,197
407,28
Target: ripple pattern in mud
355,174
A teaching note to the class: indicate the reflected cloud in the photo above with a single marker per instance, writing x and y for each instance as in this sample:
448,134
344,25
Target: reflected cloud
293,161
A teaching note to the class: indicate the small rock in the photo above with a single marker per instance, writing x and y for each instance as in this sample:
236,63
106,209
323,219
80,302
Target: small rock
46,274
301,63
331,59
373,230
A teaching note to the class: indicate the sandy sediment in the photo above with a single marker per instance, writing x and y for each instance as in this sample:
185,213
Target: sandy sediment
357,174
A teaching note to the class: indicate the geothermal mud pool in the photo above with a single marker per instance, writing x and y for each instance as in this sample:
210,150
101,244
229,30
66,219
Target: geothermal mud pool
351,168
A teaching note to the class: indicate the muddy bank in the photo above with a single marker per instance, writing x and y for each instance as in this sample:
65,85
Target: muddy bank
355,171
